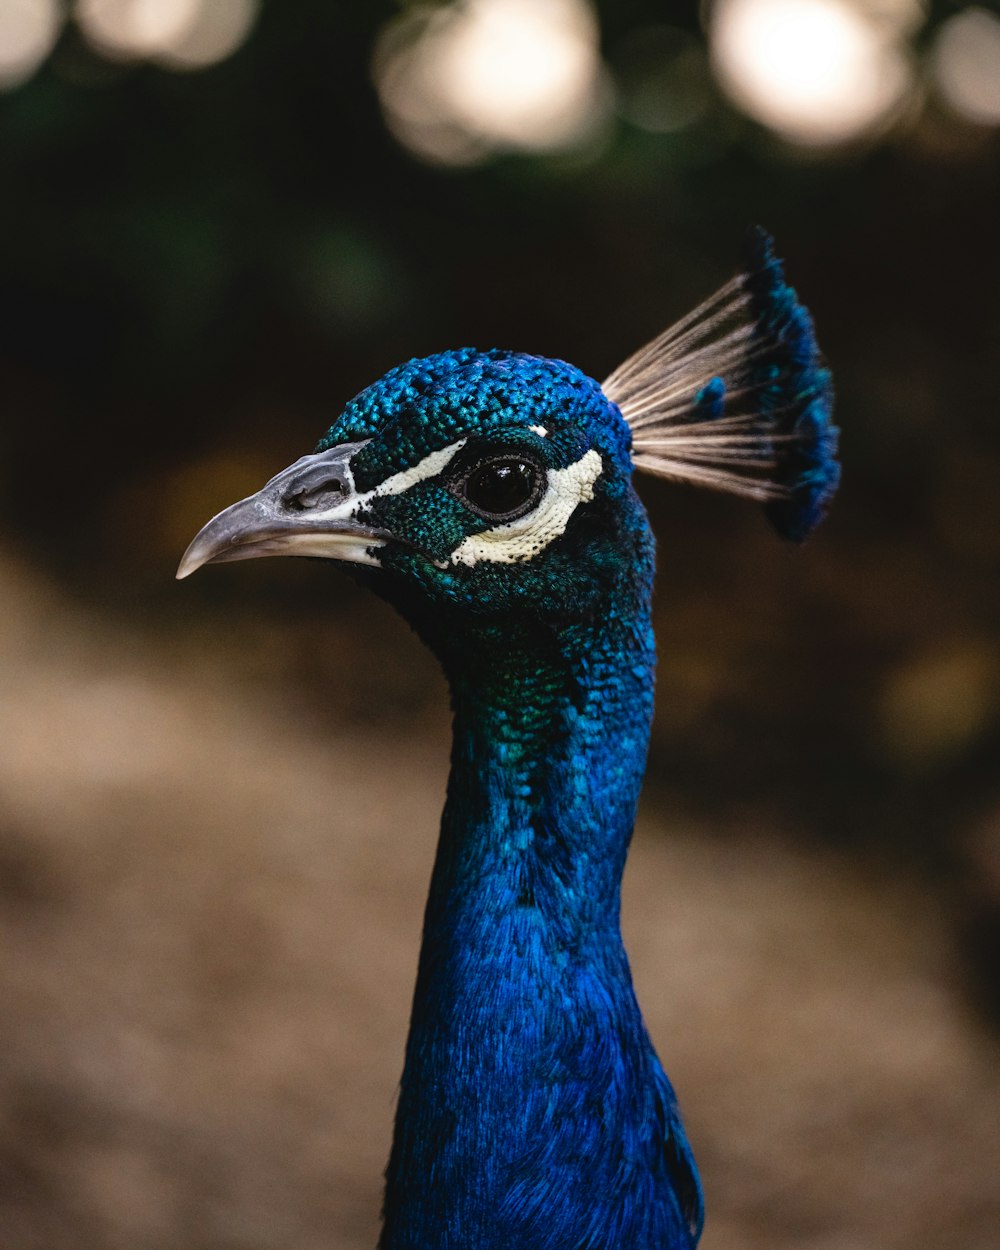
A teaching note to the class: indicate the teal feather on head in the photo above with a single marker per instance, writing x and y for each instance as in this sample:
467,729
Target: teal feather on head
796,391
710,401
488,496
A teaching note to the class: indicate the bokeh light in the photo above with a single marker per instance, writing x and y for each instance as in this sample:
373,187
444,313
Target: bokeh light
487,75
130,29
966,64
28,30
218,29
818,72
181,34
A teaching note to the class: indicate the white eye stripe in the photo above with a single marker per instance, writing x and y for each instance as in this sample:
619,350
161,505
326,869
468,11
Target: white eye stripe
431,465
520,540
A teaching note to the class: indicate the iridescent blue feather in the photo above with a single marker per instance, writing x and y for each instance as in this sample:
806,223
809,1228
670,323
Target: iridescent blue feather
795,391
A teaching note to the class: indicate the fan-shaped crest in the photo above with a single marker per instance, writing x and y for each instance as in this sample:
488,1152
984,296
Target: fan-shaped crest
735,397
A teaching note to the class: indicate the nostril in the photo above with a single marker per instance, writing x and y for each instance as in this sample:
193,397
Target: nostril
323,495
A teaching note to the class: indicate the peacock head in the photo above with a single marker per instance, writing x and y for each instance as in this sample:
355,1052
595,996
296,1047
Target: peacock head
488,481
477,483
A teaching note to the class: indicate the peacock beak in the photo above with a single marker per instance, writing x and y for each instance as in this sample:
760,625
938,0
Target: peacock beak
309,509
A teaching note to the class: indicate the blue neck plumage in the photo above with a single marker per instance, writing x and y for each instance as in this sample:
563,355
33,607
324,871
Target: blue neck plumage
533,1112
547,762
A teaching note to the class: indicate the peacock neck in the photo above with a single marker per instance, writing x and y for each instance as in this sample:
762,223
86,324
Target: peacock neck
551,730
533,1111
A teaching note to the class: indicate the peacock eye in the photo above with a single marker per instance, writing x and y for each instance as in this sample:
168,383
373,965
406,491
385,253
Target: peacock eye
503,489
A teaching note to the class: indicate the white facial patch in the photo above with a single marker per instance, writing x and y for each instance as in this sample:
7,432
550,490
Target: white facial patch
520,540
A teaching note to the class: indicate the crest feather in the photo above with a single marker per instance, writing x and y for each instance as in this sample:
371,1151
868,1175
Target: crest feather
735,397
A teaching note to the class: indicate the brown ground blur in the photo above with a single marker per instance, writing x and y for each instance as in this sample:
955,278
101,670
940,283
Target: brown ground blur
210,901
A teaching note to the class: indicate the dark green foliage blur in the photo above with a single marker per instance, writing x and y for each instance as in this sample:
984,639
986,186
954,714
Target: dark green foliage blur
198,270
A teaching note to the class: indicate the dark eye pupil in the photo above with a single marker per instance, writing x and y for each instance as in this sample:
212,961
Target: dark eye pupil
501,487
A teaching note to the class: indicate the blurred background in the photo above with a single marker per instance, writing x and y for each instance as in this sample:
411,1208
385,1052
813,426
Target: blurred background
219,219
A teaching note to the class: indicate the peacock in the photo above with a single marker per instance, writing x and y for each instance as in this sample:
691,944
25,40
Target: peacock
488,496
